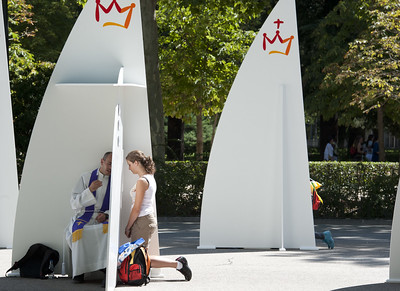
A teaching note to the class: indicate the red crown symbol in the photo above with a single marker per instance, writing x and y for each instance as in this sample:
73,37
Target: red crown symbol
119,9
281,40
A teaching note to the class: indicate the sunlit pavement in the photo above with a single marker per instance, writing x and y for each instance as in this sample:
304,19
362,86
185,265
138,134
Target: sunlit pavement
359,261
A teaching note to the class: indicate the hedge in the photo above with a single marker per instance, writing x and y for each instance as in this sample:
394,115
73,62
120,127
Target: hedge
180,188
350,189
356,189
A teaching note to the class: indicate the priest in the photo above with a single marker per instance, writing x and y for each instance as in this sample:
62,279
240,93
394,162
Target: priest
88,231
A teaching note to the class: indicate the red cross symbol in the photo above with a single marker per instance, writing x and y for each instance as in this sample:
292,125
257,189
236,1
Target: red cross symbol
278,23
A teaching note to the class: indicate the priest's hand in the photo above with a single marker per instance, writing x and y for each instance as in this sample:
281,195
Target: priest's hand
95,185
101,217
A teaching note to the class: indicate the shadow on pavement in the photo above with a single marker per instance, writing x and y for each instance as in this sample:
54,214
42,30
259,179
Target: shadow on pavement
59,284
357,241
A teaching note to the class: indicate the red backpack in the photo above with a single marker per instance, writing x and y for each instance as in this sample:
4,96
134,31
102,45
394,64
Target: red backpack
135,269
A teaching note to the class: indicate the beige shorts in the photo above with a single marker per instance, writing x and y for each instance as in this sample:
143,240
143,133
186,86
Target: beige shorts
144,227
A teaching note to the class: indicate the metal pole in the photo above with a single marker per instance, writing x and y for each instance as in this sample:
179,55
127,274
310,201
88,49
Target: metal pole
282,96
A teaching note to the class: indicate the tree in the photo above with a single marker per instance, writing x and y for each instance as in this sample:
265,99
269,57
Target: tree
52,23
150,39
323,47
202,45
310,14
351,42
372,64
28,78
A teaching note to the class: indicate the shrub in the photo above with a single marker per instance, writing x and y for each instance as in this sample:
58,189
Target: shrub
180,188
349,189
356,189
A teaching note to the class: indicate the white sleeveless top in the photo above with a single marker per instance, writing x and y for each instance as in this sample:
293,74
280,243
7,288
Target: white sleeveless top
149,196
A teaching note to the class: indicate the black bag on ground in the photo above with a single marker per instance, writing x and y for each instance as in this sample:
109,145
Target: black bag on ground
35,264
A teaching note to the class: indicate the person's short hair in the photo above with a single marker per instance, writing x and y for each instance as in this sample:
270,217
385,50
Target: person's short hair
106,155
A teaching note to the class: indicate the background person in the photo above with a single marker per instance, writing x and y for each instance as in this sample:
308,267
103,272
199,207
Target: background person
326,236
375,150
356,150
369,147
329,153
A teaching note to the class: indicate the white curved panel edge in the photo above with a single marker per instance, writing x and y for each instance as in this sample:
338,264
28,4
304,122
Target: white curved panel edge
8,171
394,268
100,66
257,192
115,201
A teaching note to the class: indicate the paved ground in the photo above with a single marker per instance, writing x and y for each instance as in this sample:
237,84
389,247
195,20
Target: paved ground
359,261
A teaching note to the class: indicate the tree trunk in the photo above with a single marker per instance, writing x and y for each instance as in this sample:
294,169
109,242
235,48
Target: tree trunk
199,137
175,139
381,135
150,40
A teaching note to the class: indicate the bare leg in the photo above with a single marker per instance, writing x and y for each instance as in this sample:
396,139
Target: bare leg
159,262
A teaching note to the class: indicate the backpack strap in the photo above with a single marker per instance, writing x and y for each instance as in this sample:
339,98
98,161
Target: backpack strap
14,267
146,259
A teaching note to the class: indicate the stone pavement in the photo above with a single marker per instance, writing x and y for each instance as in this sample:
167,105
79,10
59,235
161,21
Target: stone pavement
359,261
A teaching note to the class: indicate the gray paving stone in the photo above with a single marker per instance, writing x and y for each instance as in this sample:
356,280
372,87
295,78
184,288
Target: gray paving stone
359,261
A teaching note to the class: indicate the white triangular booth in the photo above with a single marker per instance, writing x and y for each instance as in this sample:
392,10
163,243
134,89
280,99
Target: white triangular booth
100,67
8,171
257,190
394,268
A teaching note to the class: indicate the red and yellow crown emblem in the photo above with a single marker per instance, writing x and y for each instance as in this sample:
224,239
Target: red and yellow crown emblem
107,10
281,40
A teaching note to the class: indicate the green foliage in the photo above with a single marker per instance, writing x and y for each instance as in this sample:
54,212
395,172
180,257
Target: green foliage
349,189
190,138
328,44
53,21
201,48
356,190
353,62
180,188
20,19
81,2
28,78
28,83
373,60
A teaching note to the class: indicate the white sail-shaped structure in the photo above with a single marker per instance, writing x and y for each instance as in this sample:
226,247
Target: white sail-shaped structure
257,191
394,268
8,172
101,65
